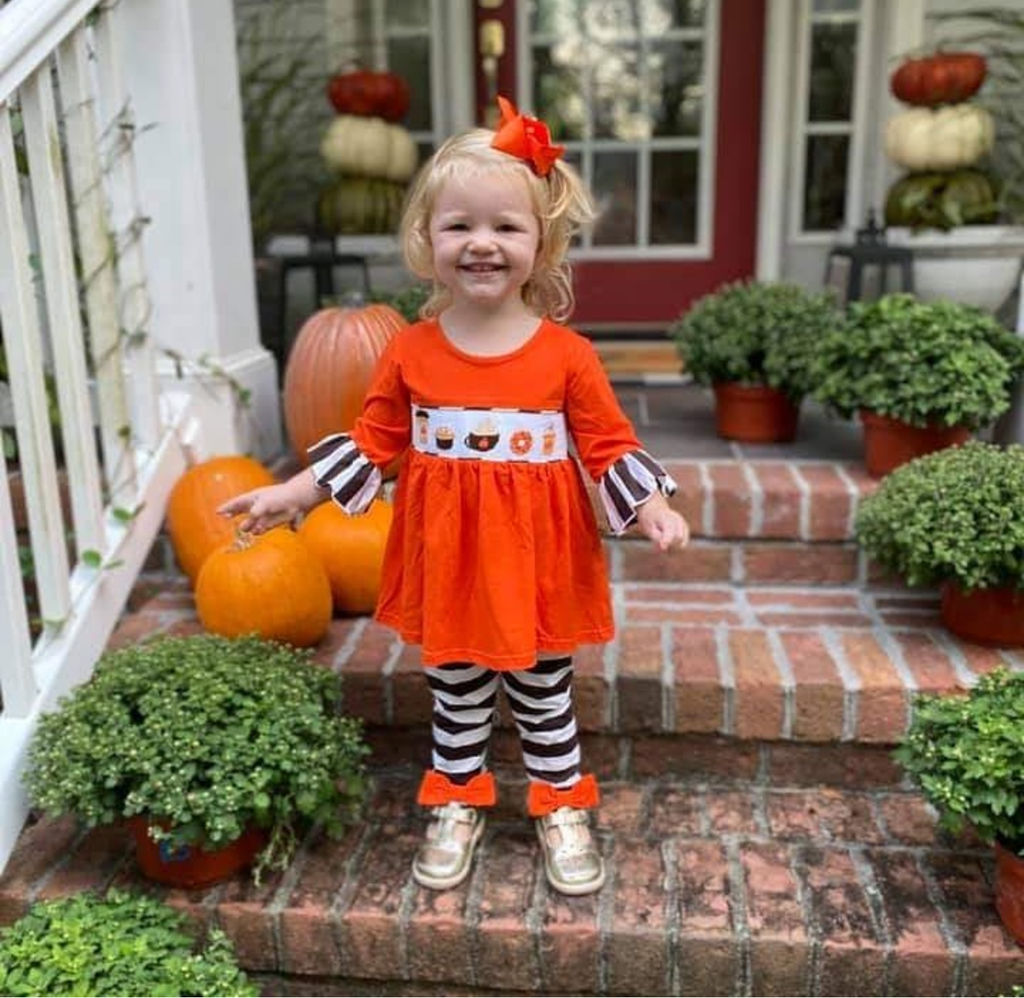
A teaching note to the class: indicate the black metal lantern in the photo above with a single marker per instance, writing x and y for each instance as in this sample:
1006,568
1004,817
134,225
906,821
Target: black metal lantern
867,262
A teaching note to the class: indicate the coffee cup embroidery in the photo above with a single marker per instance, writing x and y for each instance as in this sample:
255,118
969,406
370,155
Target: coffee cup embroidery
483,437
548,440
422,425
444,437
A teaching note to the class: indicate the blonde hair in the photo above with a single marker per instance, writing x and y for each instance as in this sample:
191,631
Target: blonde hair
560,201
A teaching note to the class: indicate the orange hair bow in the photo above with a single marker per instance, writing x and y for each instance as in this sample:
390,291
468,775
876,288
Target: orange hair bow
525,138
543,798
437,789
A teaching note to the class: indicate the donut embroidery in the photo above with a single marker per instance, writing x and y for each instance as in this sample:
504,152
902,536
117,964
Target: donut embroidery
520,442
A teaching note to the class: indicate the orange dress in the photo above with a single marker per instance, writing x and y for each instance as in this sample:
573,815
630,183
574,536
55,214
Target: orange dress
491,561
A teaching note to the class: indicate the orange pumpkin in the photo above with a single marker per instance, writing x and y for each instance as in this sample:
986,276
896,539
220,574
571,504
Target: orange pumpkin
192,520
329,369
271,585
351,549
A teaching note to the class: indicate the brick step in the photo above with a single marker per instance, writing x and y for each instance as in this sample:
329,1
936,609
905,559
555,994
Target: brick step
807,665
804,500
716,887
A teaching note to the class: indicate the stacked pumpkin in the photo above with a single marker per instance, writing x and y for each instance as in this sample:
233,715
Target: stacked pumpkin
371,155
939,141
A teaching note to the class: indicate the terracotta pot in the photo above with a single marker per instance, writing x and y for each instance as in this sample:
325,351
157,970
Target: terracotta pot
1010,891
993,616
754,413
889,442
192,866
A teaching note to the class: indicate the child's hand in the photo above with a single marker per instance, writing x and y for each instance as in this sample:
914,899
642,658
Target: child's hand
273,505
662,524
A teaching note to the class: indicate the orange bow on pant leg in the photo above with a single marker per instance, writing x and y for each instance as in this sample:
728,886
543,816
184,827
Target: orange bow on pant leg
543,798
437,789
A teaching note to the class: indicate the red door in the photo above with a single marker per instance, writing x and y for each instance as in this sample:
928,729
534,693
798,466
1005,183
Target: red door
637,277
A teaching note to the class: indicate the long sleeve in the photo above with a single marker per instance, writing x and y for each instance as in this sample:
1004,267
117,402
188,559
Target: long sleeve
626,475
349,464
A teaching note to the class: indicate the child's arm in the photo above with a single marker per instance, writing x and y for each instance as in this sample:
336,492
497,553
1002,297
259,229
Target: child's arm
275,504
662,524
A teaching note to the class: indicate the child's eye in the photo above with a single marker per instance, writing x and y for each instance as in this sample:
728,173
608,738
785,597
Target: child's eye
455,226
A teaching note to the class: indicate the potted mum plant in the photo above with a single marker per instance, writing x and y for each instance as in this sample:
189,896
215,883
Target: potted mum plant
753,343
966,753
118,944
920,375
216,750
955,518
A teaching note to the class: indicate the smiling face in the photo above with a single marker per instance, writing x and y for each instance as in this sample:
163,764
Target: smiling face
484,233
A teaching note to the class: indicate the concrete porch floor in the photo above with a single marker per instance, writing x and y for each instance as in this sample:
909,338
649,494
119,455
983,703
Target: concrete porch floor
677,422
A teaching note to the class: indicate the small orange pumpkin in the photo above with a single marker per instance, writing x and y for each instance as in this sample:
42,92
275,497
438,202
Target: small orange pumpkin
192,520
351,549
329,370
271,585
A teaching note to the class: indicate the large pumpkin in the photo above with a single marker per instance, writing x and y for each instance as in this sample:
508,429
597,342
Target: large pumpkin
365,92
353,205
941,200
269,584
329,369
945,138
192,521
351,549
369,147
943,78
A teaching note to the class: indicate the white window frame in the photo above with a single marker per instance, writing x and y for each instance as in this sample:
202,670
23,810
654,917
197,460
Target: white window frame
451,69
855,127
705,143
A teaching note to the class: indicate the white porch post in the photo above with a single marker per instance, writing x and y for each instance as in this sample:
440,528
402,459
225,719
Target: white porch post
180,67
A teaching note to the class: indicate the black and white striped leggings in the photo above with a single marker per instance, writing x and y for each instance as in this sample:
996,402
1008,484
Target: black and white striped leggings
465,699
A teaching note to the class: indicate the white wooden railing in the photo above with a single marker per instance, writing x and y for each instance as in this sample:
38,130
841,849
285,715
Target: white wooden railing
74,305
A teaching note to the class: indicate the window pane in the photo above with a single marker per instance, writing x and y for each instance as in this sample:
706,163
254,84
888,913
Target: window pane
674,180
833,48
616,108
836,6
661,15
676,88
614,185
407,13
553,17
825,183
410,58
556,93
611,20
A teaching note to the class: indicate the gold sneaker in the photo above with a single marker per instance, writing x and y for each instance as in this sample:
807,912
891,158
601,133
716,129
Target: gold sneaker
571,860
444,860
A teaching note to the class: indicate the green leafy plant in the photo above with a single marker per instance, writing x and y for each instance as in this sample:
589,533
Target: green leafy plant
208,735
284,109
755,333
407,301
920,362
120,944
966,753
954,515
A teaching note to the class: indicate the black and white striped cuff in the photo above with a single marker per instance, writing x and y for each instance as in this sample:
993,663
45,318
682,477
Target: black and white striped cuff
339,465
628,484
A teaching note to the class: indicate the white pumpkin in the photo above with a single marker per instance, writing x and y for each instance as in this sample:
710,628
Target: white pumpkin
945,138
369,147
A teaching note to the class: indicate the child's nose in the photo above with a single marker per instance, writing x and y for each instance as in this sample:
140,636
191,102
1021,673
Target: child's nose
480,240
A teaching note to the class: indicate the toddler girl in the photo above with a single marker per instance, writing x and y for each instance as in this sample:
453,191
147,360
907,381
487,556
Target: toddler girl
494,562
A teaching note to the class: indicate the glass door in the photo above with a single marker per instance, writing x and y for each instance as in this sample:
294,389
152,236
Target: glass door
658,104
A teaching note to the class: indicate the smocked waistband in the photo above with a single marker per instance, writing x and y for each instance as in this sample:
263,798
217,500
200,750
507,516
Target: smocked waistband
490,434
